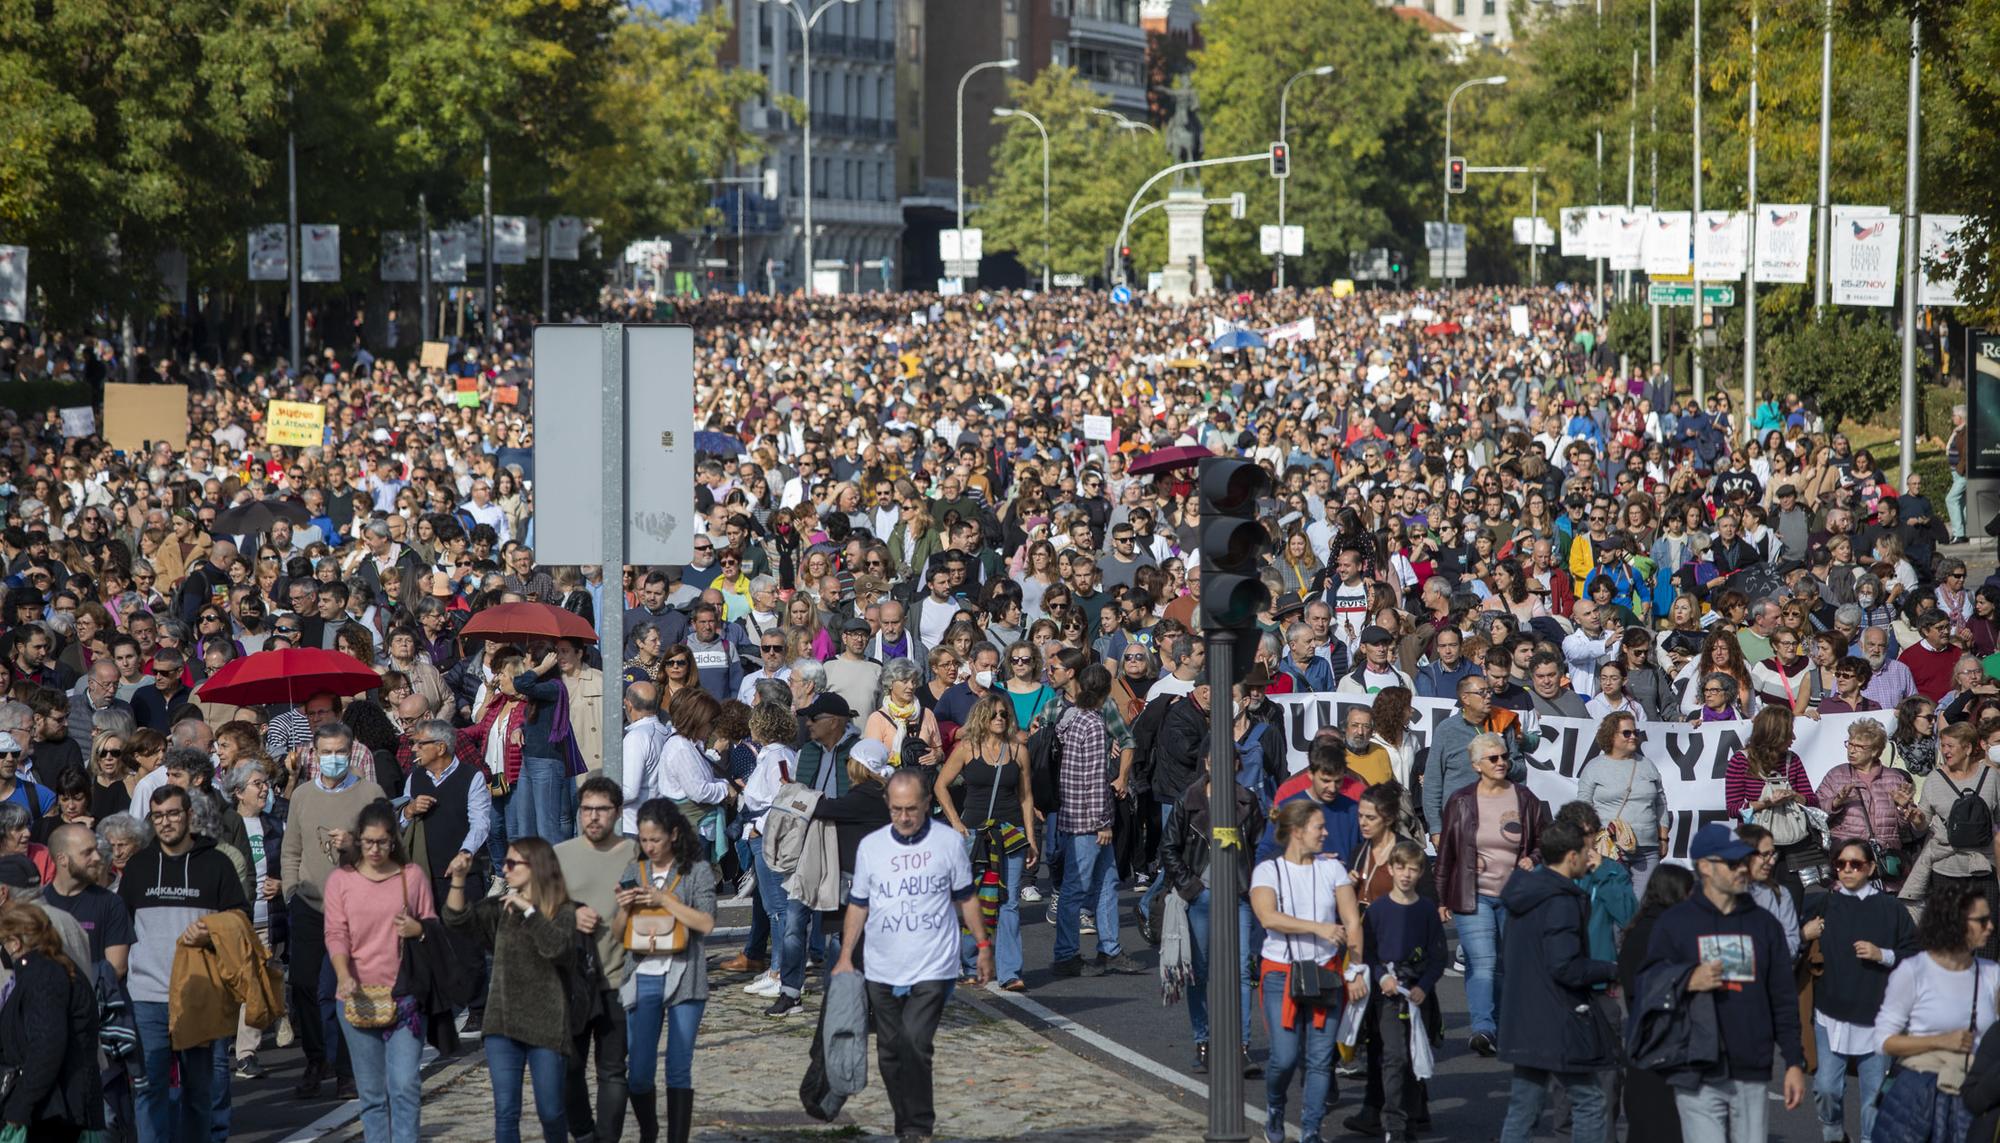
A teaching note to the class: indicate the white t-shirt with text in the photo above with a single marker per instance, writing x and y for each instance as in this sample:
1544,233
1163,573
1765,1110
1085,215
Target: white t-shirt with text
911,889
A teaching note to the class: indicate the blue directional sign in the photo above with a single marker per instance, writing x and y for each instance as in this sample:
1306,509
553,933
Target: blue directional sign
1121,294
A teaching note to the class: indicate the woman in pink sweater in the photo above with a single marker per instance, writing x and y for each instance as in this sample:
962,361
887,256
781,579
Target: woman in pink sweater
373,906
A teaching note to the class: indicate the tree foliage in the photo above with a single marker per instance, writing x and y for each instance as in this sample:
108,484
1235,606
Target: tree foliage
1851,362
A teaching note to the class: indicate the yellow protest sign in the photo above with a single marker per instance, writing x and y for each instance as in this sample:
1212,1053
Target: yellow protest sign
435,355
1343,287
295,423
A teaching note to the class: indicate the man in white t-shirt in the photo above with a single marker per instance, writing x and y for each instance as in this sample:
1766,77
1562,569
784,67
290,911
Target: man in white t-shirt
909,878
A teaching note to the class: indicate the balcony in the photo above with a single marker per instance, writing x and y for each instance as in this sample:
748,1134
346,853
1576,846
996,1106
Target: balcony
831,45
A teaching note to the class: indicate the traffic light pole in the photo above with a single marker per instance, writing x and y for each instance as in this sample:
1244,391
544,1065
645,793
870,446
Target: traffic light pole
1125,227
1225,852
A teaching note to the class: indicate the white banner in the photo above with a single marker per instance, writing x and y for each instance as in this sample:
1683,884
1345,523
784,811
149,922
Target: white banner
1721,245
1575,222
1942,259
448,256
270,257
13,283
1691,759
1533,232
510,240
1628,237
1862,268
1304,329
399,256
1784,242
319,253
1669,243
565,237
1600,233
79,421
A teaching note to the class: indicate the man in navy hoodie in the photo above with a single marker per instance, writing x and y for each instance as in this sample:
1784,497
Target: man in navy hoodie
1729,946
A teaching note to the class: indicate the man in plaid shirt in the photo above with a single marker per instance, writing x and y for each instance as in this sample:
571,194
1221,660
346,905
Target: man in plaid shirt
1083,825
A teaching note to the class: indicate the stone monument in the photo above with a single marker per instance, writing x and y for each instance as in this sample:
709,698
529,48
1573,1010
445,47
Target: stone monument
1186,273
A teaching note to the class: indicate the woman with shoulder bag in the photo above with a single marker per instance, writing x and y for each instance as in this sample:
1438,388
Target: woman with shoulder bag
531,930
1630,797
1937,1006
1867,801
48,1033
373,906
901,723
667,907
995,813
1766,784
1306,905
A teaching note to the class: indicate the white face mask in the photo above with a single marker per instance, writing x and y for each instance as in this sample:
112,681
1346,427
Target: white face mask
1993,754
983,678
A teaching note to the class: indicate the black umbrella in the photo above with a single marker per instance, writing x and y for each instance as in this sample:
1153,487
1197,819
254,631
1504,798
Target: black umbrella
256,517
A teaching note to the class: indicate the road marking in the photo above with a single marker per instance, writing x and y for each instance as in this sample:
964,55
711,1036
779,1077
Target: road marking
1253,1115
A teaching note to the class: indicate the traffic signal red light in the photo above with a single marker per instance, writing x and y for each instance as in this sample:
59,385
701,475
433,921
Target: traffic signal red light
1281,161
1454,175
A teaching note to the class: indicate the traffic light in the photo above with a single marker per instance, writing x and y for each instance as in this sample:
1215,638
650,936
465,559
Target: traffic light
1125,265
1281,161
1454,175
1395,265
1234,543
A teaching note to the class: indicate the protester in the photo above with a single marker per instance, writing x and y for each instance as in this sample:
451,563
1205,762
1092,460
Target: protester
993,809
669,908
593,865
48,1033
1490,828
1937,1007
1630,797
1863,934
1185,855
1648,1101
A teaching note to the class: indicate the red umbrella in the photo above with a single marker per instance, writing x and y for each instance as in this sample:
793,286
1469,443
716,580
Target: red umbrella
289,674
1169,458
1438,329
523,621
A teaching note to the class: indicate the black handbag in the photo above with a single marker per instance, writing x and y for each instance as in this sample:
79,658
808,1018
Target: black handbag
1308,983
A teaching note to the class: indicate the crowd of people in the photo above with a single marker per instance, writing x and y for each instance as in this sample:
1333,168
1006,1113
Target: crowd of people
939,638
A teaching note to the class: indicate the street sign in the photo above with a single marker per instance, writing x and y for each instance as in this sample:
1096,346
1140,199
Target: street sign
1682,294
952,245
1447,264
1291,240
1121,295
961,267
829,264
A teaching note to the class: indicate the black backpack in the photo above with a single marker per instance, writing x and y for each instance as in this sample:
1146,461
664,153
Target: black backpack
1045,753
1146,735
1969,822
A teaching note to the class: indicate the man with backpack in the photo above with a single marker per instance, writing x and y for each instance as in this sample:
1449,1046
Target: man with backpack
1091,771
1962,801
1178,757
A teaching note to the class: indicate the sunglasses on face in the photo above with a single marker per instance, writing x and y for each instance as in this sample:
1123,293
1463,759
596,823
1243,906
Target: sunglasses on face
1851,865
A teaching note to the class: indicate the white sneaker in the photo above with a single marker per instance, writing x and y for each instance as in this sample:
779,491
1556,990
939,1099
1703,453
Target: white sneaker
1030,894
1088,924
766,985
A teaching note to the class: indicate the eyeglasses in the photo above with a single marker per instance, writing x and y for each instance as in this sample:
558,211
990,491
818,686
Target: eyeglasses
678,663
1851,865
1765,855
1020,661
1719,690
1982,919
597,808
377,842
111,752
1628,732
286,630
511,864
771,647
167,815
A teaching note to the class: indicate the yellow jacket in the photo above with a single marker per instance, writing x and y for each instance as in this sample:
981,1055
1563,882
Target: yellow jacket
210,983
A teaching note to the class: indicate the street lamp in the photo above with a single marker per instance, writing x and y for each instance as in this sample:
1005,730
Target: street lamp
1127,124
1489,81
1284,98
969,73
1014,112
805,80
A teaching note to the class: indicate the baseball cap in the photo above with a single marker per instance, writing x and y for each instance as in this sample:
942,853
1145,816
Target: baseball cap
1716,840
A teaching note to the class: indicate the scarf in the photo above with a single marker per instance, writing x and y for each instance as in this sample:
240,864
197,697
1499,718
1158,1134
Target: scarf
515,711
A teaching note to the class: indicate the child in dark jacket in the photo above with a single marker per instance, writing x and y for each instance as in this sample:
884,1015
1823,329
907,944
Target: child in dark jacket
1405,944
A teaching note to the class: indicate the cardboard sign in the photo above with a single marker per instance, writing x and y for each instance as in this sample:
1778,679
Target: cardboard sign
295,423
1096,428
136,415
507,395
467,385
435,355
80,421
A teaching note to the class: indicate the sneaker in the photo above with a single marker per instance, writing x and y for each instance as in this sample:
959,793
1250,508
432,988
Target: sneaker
1087,922
766,986
1149,928
1250,1066
1141,881
475,1022
1030,894
1200,1059
344,1089
1457,962
1121,965
247,1068
784,1006
1352,1069
1483,1044
1070,967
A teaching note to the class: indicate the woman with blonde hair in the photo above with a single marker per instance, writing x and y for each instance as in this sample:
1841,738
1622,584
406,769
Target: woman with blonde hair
994,810
111,774
914,539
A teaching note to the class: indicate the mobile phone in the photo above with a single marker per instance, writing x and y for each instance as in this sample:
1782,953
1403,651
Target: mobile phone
630,881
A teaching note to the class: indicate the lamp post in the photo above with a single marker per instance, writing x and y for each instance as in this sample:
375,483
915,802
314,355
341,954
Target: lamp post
1015,112
1284,97
1825,152
1127,124
1911,278
805,80
969,73
1489,81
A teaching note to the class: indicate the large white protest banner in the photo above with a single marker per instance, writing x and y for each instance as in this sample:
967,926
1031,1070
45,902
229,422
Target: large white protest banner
1691,759
1784,242
510,240
1669,242
448,255
1721,245
399,256
1600,233
565,237
1862,258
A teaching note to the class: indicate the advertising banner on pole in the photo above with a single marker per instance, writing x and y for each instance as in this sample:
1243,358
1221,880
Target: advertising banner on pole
448,256
474,234
399,256
1575,222
319,253
565,237
270,257
1942,259
1784,243
13,283
1721,245
1628,237
1862,264
510,240
1669,242
1600,231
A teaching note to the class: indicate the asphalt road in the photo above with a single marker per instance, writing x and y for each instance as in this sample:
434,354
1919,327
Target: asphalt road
1117,1020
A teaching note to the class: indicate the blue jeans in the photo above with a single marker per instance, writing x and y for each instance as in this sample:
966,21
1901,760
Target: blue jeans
1830,1088
1159,879
1531,1090
388,1075
1479,933
1954,505
1007,931
541,804
219,1114
642,1037
1641,862
1246,955
758,946
1291,1047
506,1060
1090,873
157,1121
788,950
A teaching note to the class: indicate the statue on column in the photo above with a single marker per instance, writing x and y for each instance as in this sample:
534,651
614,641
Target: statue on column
1183,122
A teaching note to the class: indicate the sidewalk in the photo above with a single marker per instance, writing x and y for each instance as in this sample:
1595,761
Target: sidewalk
995,1080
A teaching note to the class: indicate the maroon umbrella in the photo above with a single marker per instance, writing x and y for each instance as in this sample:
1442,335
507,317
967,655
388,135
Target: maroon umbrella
288,674
1169,458
525,621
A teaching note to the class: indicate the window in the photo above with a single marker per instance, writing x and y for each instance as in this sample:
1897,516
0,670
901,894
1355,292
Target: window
916,43
885,185
1458,7
1059,54
1492,7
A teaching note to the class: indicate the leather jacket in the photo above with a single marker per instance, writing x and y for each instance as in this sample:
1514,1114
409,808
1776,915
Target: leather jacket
1458,847
1184,850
